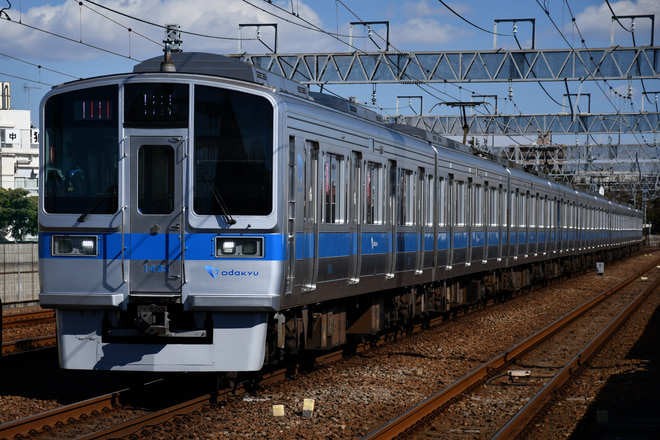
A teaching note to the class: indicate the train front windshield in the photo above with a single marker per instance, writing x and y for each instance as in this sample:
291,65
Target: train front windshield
81,148
232,138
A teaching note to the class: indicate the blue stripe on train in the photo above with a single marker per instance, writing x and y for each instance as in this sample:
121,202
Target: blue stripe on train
331,244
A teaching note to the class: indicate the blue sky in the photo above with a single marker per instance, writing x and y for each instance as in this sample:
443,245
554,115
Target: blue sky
47,42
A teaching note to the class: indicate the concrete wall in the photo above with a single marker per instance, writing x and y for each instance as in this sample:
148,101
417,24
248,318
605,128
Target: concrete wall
19,273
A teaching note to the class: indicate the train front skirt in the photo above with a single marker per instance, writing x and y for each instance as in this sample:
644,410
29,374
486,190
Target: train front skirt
238,344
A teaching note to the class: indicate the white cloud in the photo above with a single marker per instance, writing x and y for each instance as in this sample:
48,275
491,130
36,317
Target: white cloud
426,31
595,22
99,27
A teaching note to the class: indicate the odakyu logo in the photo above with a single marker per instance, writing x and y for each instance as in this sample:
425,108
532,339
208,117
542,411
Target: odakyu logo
214,272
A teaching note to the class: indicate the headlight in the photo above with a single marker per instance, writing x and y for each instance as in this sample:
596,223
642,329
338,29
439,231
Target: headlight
228,247
251,247
78,245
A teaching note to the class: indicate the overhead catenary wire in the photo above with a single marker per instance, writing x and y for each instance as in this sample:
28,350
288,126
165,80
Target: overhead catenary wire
39,66
469,22
596,81
141,20
73,40
604,80
129,29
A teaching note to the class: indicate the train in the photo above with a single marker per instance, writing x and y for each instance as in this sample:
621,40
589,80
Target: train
201,214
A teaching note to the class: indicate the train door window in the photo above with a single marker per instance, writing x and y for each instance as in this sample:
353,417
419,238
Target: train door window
478,208
513,220
551,213
156,179
571,217
531,199
429,202
522,209
406,199
460,203
334,189
311,180
493,208
374,194
442,202
504,204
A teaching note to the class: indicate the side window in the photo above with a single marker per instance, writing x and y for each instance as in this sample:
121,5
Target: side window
374,194
494,208
406,198
478,206
442,200
522,209
429,206
334,189
513,221
460,203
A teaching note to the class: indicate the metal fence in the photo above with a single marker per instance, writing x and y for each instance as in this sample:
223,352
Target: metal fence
19,273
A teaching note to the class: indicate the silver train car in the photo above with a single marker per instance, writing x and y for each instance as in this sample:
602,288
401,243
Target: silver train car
213,216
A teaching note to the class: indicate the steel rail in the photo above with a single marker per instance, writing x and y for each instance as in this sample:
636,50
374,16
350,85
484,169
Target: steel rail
32,424
28,318
524,417
23,345
132,426
416,414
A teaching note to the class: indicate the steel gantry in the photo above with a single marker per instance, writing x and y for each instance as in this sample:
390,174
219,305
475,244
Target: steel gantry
558,124
612,63
631,169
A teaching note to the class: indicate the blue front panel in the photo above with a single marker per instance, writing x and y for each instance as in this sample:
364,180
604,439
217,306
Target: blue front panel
153,247
198,247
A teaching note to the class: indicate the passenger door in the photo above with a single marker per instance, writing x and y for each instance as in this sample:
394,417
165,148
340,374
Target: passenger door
309,266
355,219
157,229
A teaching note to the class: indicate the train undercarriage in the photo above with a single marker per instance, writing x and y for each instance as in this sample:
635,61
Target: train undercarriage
327,325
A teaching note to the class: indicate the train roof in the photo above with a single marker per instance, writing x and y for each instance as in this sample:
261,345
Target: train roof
203,63
219,65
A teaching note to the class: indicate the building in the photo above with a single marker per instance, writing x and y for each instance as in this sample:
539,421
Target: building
19,146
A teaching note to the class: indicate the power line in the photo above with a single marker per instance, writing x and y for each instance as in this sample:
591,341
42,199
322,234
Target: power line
120,25
617,18
195,34
26,79
469,22
53,34
39,66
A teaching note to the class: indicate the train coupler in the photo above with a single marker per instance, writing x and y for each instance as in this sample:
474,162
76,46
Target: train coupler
153,319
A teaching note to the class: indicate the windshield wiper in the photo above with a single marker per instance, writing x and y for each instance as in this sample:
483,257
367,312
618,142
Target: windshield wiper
218,198
95,204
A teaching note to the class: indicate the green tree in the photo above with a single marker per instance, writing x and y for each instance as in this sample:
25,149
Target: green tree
18,213
653,215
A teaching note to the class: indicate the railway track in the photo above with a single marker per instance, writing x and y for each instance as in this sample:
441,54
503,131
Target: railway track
27,319
29,344
205,404
531,371
92,410
30,323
